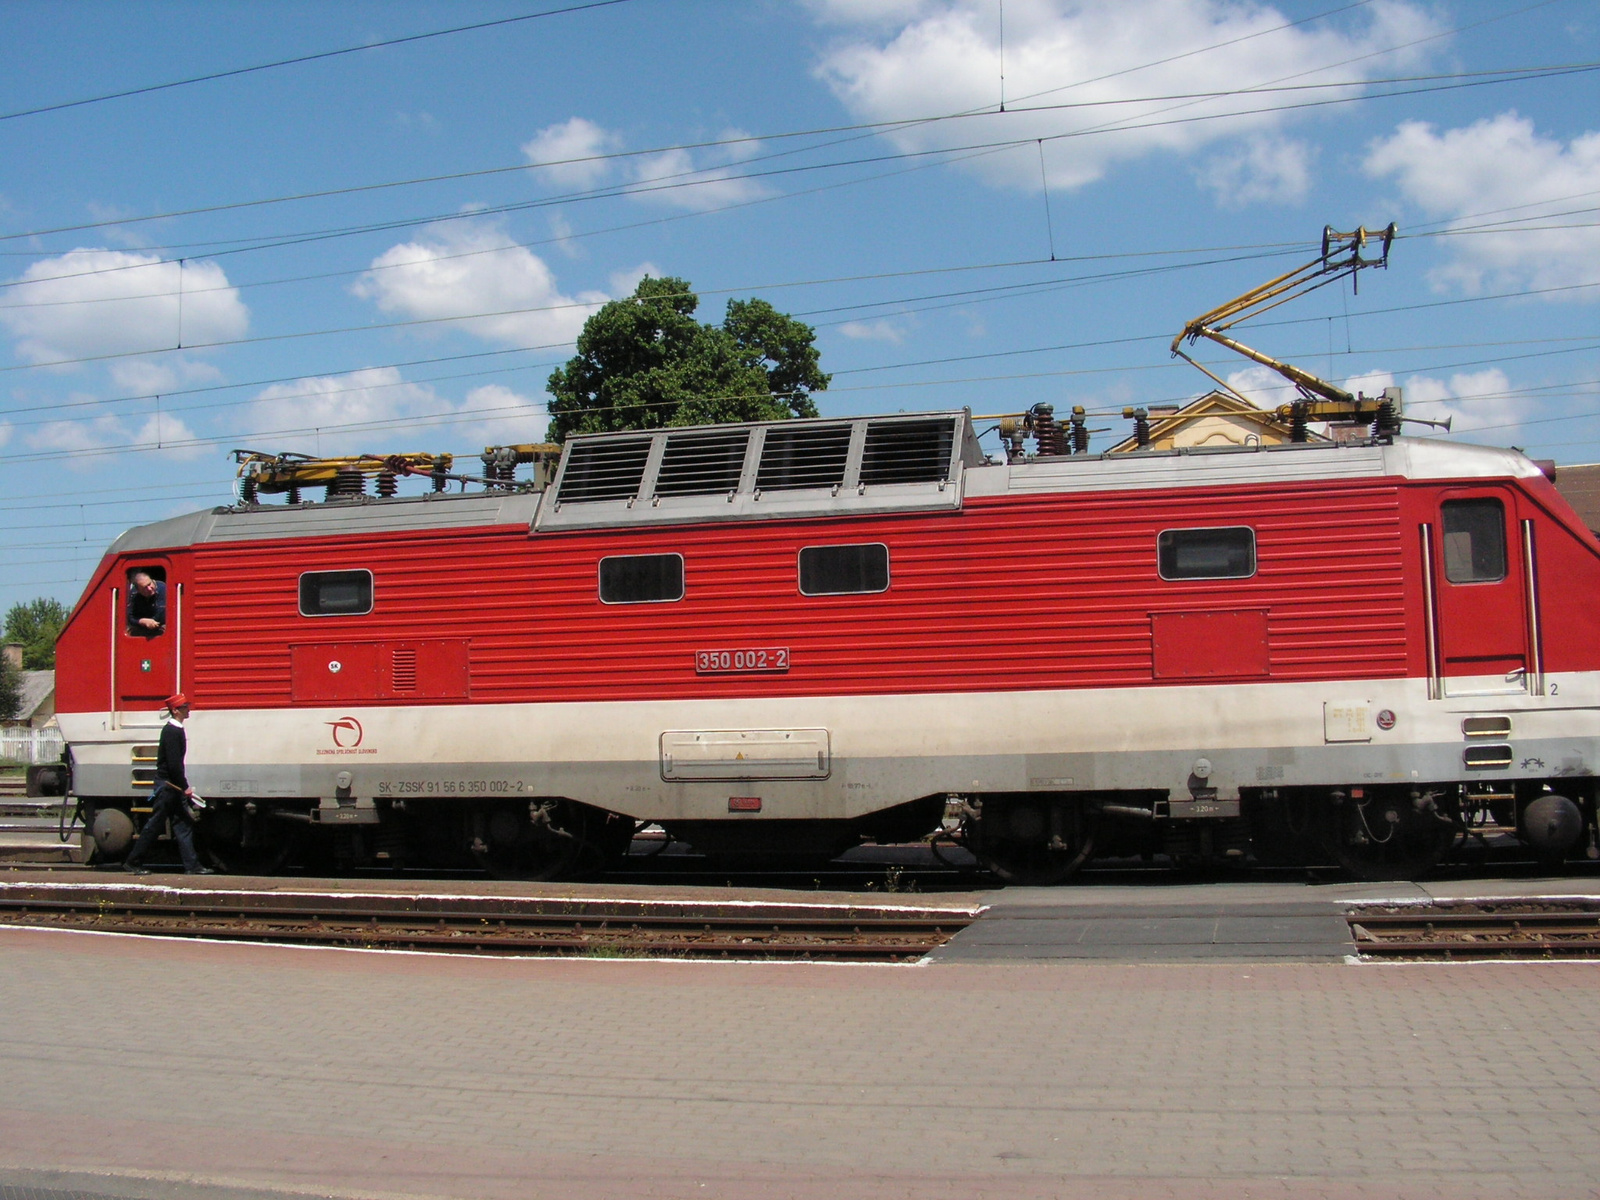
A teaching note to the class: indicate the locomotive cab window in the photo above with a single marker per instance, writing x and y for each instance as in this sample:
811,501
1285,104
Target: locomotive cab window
147,601
1227,553
335,593
1474,540
843,570
641,578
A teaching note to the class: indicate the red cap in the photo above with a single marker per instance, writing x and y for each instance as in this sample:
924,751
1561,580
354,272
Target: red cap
177,700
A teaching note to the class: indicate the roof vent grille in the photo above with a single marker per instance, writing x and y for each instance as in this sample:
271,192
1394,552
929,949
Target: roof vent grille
604,469
702,464
907,451
812,456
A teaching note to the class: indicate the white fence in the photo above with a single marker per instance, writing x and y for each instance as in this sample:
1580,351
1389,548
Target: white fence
19,744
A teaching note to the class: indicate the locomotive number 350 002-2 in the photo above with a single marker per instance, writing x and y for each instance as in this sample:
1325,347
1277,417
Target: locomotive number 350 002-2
729,662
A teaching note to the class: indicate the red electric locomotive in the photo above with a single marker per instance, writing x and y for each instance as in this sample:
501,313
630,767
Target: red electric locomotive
788,638
784,638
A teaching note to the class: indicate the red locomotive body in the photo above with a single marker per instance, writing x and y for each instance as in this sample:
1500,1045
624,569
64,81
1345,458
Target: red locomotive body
780,639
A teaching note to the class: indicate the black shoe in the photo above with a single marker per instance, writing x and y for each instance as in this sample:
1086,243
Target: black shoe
135,869
199,871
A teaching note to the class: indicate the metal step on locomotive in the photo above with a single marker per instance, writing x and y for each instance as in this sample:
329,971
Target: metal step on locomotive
785,639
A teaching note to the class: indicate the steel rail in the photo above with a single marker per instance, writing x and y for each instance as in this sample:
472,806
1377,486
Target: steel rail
1518,930
519,928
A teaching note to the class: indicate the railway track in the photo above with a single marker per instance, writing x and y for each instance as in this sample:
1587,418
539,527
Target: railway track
1479,930
509,926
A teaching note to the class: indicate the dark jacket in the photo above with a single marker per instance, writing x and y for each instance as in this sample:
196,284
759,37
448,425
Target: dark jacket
169,756
154,607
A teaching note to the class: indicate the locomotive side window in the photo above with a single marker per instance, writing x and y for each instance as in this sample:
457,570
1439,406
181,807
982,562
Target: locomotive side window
147,601
335,593
1474,540
1228,553
641,578
841,570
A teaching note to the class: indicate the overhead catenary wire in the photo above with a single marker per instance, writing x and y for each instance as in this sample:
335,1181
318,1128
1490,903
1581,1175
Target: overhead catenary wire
298,60
416,421
718,173
578,305
965,296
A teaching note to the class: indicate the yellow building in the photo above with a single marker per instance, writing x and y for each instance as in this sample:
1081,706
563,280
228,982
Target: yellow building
1215,419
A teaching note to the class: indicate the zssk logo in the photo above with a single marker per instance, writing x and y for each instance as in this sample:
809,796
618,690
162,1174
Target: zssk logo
346,732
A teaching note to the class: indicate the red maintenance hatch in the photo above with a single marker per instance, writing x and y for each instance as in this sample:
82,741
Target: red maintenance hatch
329,672
1210,645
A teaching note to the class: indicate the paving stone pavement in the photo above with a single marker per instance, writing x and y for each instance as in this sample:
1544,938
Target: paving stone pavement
191,1071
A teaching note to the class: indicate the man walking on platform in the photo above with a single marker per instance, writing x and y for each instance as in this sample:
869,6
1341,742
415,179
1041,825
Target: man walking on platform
167,800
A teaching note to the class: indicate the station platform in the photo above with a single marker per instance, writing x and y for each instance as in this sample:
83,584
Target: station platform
139,1069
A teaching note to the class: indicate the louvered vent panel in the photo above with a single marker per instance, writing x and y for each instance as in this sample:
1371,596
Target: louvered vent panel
405,669
907,451
702,464
604,470
812,457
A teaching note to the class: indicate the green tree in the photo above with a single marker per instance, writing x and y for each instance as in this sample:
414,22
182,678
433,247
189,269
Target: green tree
645,362
10,689
36,625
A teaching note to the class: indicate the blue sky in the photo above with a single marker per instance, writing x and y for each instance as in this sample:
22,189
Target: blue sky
390,249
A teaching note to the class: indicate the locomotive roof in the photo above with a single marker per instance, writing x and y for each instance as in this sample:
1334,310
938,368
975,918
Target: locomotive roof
825,467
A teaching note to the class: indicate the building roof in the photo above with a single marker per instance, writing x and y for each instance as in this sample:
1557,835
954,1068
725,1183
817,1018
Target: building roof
1166,428
36,688
1580,485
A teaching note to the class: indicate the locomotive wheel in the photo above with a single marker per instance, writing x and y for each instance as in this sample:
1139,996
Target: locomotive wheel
1387,837
550,839
1028,852
271,846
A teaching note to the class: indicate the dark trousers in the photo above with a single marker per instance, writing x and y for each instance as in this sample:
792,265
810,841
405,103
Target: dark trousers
167,804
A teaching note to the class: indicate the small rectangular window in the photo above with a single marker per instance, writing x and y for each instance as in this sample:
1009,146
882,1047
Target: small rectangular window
335,593
1474,540
641,578
838,570
147,602
1228,553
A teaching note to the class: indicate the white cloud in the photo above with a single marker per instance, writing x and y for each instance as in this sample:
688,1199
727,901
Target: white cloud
1264,169
945,57
165,432
134,237
738,145
1499,163
563,231
505,415
882,330
91,302
469,267
1262,386
1369,383
672,178
392,415
571,152
148,376
1472,400
5,432
625,281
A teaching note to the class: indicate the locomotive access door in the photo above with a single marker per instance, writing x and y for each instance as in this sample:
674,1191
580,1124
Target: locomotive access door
1480,594
144,635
